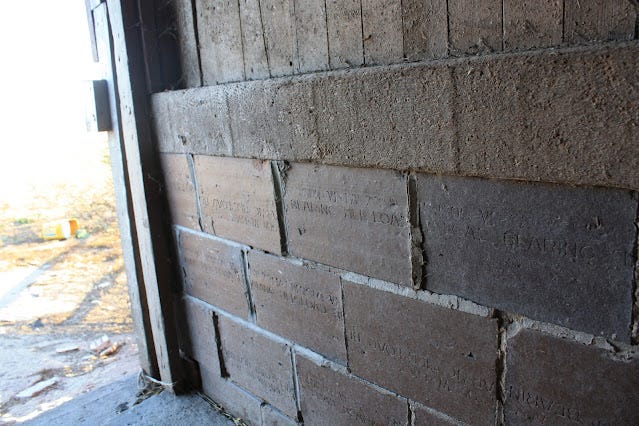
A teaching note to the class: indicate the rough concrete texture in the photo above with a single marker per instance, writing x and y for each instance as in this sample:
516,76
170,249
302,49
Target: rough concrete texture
237,199
425,29
382,31
180,191
187,45
579,385
255,61
355,219
258,364
115,404
563,118
299,303
554,253
440,357
204,126
231,397
591,20
278,20
532,24
213,272
475,26
344,25
220,41
329,397
526,116
199,340
312,36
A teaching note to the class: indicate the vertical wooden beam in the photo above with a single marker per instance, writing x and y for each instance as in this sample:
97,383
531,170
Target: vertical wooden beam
128,232
145,182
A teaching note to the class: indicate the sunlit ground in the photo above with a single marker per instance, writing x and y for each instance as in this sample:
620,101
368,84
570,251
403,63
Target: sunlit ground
55,294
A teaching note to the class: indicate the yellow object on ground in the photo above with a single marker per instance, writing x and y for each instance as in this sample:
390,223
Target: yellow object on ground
60,229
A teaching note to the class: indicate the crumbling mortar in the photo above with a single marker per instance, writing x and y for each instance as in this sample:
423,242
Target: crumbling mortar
341,289
218,344
416,234
279,171
296,385
197,41
503,323
196,189
247,286
635,293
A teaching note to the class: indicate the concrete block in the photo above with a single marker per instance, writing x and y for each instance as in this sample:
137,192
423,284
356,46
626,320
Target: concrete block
272,417
386,118
271,120
232,398
312,35
554,381
255,61
382,31
299,303
440,357
475,26
193,121
532,24
220,41
258,364
554,253
278,19
555,118
213,272
237,199
187,45
356,219
425,29
344,25
591,20
533,116
332,398
180,192
200,339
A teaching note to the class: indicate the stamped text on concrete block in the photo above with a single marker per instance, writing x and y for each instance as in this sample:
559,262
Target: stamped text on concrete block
238,200
555,253
551,381
299,303
440,357
356,219
213,272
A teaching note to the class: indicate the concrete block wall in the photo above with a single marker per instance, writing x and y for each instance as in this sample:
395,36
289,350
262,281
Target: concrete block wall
418,213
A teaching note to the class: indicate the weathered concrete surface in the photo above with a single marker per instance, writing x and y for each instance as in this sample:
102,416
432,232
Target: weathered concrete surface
554,253
344,25
312,36
299,303
272,417
255,61
199,341
213,272
530,116
237,199
356,219
258,364
278,19
220,41
553,381
532,24
425,29
233,398
382,31
180,190
332,398
475,26
590,20
440,357
114,405
424,417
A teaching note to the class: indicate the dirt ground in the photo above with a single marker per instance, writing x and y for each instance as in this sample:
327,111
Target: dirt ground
58,297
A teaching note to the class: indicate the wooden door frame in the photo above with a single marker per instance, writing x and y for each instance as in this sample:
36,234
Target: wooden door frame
120,36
